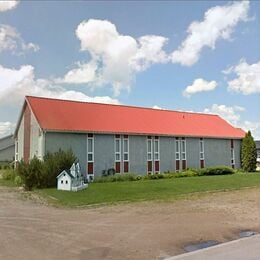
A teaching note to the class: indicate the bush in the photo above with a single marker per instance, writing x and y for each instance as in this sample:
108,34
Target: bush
54,164
42,174
18,181
9,175
23,172
217,170
118,177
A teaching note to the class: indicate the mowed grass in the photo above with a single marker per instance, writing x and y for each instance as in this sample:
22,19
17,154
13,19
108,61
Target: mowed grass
164,189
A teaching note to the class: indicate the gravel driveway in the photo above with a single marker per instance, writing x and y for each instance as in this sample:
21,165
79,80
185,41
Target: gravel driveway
151,230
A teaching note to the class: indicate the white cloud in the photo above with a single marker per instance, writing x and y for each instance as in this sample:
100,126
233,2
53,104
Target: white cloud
219,23
199,85
254,127
85,73
10,40
6,128
233,115
156,107
7,5
115,58
248,78
16,84
229,113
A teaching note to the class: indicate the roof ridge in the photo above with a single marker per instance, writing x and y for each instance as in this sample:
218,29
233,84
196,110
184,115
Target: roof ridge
120,105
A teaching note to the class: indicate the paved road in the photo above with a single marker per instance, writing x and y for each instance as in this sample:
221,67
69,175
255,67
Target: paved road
241,249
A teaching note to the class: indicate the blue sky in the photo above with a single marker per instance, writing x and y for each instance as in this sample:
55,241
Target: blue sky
200,56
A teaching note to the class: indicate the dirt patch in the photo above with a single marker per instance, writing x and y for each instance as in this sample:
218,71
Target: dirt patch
30,229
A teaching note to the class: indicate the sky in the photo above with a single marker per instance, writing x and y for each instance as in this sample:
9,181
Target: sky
200,56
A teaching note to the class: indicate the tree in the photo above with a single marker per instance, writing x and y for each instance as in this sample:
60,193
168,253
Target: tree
248,153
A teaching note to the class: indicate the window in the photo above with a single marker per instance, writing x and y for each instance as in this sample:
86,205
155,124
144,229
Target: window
66,182
156,150
201,149
153,154
232,155
117,149
183,149
117,153
177,149
90,148
90,154
61,182
149,149
126,153
126,149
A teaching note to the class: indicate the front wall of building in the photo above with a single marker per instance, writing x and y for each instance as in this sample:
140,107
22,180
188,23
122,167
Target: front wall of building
20,140
66,141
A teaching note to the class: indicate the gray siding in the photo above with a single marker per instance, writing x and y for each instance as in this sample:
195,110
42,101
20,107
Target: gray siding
237,148
104,153
7,148
217,152
138,154
66,141
167,154
7,154
193,152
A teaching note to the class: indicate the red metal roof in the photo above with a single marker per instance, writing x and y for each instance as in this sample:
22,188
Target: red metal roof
64,115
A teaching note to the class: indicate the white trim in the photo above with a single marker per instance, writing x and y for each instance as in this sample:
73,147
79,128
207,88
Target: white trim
202,152
158,153
233,157
185,151
149,153
90,138
119,152
91,177
177,143
128,160
127,139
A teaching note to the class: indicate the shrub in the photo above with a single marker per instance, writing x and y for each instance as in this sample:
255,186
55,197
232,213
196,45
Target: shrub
217,170
118,177
54,164
9,175
42,174
27,178
18,180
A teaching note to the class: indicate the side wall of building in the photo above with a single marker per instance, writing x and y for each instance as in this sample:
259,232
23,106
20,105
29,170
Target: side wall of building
7,148
66,141
216,151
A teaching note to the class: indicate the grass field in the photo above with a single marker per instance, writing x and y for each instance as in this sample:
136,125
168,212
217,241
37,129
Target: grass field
164,190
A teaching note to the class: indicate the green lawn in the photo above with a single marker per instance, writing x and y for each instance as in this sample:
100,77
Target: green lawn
164,189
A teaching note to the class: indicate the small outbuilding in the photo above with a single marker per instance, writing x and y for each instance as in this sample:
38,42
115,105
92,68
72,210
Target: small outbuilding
72,179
